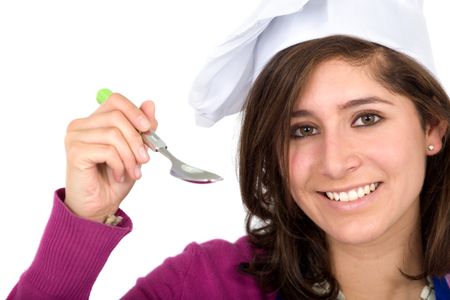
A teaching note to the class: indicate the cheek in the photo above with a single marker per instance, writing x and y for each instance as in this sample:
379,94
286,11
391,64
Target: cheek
399,156
402,149
301,169
300,162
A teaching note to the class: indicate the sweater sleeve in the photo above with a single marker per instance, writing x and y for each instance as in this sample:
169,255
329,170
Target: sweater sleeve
70,256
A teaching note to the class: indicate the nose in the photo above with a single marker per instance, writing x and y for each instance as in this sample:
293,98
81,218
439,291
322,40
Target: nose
339,155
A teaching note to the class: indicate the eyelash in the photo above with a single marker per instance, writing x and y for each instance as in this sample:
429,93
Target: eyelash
378,118
296,127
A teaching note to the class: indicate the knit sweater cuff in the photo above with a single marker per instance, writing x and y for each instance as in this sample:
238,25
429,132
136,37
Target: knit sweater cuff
72,252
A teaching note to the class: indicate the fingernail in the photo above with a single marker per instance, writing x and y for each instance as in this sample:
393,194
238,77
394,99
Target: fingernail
144,123
143,153
137,171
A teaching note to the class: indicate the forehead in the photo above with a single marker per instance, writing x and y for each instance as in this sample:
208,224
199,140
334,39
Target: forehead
335,81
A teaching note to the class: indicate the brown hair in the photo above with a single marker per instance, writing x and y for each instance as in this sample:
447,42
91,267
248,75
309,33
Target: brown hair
291,252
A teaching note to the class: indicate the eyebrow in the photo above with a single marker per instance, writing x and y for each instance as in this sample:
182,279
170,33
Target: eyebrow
346,105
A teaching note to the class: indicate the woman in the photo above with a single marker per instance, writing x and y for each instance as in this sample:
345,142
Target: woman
348,170
343,170
331,118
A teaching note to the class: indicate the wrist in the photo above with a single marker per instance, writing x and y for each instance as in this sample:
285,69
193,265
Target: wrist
102,217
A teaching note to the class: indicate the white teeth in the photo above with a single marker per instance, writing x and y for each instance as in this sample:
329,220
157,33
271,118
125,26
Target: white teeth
352,194
361,192
343,196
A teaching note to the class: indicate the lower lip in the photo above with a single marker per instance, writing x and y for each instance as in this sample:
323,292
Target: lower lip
355,204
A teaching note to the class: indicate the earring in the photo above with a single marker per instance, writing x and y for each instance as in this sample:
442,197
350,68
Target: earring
430,147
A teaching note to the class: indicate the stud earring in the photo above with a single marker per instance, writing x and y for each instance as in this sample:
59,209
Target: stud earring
430,147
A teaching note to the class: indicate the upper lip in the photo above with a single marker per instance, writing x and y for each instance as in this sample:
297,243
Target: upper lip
348,188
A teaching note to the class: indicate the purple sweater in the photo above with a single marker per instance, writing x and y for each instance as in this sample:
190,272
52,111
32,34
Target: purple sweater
73,251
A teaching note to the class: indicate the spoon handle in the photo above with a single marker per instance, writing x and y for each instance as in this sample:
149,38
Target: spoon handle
179,169
152,140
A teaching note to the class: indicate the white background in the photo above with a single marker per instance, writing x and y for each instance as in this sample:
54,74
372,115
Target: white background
55,55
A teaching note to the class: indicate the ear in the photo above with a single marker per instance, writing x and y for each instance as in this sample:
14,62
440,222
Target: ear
434,135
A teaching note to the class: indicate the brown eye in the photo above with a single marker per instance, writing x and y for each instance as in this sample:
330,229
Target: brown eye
303,131
366,120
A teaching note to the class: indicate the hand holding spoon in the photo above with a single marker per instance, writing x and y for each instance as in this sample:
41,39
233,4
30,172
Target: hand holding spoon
179,169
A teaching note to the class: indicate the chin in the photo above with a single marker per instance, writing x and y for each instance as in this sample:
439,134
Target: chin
355,233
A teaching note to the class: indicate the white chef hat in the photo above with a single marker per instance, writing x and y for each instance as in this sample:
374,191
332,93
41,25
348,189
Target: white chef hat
222,85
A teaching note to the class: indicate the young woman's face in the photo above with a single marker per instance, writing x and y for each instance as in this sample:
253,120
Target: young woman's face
355,141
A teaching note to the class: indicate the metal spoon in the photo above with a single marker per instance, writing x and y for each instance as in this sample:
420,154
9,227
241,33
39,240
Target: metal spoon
179,169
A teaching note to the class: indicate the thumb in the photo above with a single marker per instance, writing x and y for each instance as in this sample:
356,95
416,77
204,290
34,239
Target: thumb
148,107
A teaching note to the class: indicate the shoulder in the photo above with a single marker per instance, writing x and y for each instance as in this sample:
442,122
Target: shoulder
207,270
217,263
225,251
218,259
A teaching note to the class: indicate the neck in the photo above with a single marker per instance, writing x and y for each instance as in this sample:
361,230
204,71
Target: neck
372,270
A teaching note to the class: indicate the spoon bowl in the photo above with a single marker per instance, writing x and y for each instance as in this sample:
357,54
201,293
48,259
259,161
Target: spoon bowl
179,169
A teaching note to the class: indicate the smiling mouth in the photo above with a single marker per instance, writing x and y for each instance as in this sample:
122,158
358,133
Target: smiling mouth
353,194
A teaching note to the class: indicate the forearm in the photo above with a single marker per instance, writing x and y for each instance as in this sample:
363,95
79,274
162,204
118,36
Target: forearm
70,256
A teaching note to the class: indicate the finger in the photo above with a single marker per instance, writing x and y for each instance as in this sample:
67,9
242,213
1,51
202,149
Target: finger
110,137
136,117
115,119
148,107
84,156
